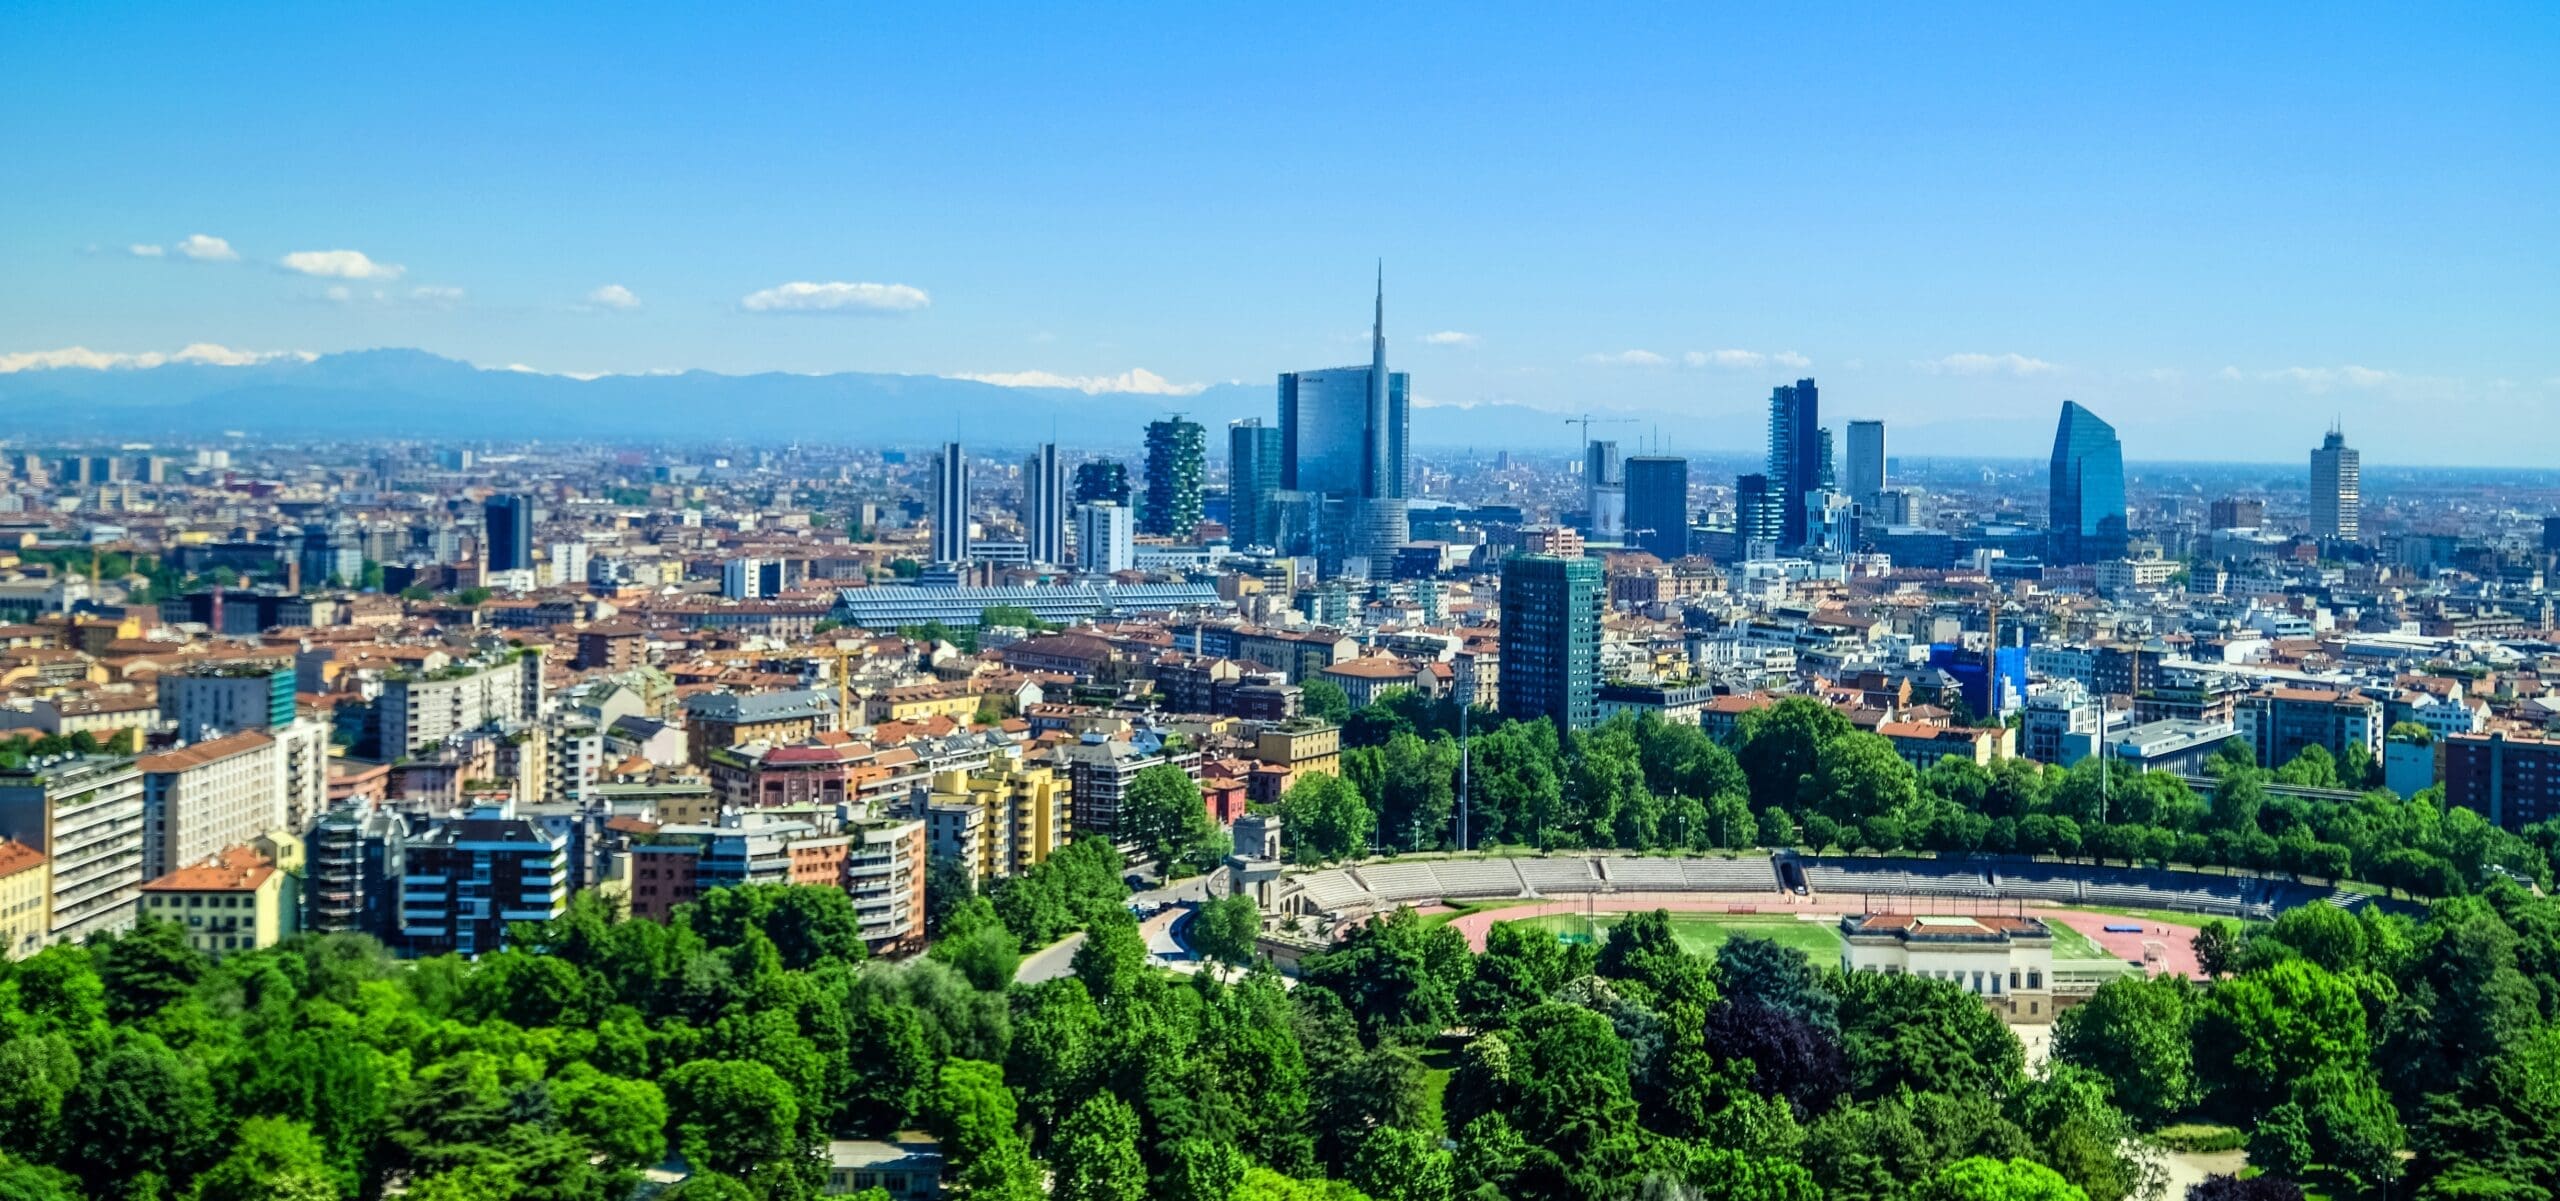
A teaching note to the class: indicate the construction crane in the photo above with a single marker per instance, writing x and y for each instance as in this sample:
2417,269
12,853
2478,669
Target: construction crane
1586,421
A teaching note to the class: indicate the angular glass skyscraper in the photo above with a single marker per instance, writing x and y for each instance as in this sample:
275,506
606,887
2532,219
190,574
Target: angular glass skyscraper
1551,640
1253,474
1342,438
1797,458
2088,513
1658,504
948,507
1865,482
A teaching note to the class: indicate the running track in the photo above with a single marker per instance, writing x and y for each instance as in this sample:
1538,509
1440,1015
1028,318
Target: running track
2179,940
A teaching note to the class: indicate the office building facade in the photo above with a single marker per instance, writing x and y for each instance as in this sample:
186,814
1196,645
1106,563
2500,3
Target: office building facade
1044,506
1865,482
465,881
509,532
1254,454
949,508
1796,455
1177,453
2086,494
1604,492
1759,517
1551,640
1343,439
1657,496
2337,490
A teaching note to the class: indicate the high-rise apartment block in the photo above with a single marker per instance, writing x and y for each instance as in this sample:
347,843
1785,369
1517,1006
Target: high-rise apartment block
949,508
2088,521
1657,496
2337,490
1177,454
1759,516
419,710
1551,640
1105,538
1044,506
228,698
464,882
1796,455
85,814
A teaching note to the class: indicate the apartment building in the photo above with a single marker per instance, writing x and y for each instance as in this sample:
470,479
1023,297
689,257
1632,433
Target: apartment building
26,899
420,710
999,821
242,899
85,815
466,879
201,799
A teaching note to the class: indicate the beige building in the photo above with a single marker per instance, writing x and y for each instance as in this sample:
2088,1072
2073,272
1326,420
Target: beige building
85,815
242,899
2006,961
26,899
199,800
1001,820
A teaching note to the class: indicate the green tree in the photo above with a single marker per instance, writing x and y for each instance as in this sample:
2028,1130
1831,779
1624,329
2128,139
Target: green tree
1226,929
736,1118
1860,777
1324,700
1779,747
1325,819
975,941
973,1114
624,1121
2217,947
1928,1034
1396,973
271,1159
1095,1156
2259,1032
1395,1164
140,1109
2134,1032
1981,1179
1162,811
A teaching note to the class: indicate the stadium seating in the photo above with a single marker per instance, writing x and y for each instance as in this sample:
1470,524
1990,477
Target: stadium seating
1560,875
1644,874
1333,889
1479,878
1400,880
1754,874
1918,877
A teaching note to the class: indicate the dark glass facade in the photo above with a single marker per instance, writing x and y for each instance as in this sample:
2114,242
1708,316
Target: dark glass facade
1658,504
1551,640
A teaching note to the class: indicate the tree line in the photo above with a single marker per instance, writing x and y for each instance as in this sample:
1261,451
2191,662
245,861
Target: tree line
1798,774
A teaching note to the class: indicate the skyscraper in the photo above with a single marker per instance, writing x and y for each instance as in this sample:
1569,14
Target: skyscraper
1866,480
1253,474
1102,479
1604,491
1044,506
1342,437
1177,450
1658,504
1103,542
510,532
1795,454
1551,640
949,510
2337,489
2087,494
1758,521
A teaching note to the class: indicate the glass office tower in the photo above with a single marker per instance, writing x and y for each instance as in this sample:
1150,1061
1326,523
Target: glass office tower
2088,512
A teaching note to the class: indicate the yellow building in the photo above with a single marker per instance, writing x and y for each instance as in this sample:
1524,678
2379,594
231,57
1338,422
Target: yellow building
1304,746
26,899
924,702
1001,821
245,898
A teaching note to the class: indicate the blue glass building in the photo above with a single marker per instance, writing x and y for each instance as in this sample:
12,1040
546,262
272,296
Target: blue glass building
2088,513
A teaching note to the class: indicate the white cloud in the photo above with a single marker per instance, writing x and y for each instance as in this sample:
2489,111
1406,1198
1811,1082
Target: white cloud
435,294
1627,358
1746,360
205,248
1450,337
1138,380
613,296
2324,379
144,250
208,354
340,264
1987,364
805,297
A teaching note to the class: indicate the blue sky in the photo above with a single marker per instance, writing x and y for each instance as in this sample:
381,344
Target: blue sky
2217,228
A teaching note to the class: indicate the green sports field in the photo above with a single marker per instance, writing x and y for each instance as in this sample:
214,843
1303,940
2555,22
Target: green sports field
2071,944
1701,933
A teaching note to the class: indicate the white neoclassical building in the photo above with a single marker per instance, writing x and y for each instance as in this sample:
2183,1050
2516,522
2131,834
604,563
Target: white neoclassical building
2007,961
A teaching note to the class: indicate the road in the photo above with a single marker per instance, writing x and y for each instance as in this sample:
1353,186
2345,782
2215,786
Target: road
1058,958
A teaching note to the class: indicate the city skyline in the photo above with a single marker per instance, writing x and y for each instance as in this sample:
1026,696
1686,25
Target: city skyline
2219,252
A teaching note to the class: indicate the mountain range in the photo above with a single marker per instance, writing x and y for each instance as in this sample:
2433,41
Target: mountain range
413,393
